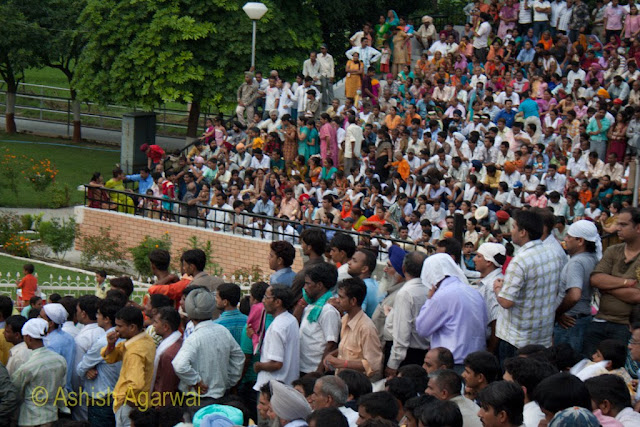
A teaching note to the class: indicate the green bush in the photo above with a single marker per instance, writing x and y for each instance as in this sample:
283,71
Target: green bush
60,196
141,253
102,249
58,235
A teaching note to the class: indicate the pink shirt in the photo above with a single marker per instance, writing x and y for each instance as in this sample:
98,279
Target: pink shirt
614,16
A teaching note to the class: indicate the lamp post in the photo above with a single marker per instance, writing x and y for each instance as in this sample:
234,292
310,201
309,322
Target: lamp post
254,11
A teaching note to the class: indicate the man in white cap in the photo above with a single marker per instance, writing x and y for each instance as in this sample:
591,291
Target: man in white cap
210,360
45,370
574,312
57,340
489,259
289,405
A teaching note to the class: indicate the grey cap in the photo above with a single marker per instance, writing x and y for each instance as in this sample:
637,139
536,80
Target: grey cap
200,304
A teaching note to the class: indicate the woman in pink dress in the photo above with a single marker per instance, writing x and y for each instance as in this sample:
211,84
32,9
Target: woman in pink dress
508,18
328,139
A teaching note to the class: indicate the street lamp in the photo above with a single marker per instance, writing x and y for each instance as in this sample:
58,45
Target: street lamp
254,11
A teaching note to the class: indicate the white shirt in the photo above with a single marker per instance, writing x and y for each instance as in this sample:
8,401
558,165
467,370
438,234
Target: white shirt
315,336
350,415
310,69
70,328
219,219
524,12
540,16
480,41
327,66
353,134
628,417
18,354
84,340
281,344
265,163
529,184
532,414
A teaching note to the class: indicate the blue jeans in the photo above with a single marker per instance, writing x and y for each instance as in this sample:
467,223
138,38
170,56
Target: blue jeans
600,331
539,27
573,336
101,416
506,351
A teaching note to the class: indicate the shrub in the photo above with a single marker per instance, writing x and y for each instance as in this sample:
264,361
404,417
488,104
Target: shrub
141,252
60,197
58,235
102,249
10,225
40,174
211,267
10,167
249,274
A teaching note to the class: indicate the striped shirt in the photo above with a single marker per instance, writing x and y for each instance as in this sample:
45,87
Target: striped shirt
234,321
532,283
45,370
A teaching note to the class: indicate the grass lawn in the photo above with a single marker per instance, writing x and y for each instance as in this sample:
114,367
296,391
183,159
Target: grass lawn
75,162
46,76
13,266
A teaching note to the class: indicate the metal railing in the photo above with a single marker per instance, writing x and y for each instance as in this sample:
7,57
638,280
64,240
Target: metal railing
229,221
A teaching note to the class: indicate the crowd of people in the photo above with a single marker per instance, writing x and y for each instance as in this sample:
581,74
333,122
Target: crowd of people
524,124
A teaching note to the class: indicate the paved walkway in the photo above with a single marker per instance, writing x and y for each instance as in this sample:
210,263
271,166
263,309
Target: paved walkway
59,130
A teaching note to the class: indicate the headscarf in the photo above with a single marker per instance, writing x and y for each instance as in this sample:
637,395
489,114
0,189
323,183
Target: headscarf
490,250
35,328
586,230
56,313
288,403
437,267
574,417
396,258
395,21
345,213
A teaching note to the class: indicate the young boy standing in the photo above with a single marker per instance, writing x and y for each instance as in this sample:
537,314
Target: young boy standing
28,284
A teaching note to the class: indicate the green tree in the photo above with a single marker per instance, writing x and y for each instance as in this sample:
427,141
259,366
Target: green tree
148,52
17,40
61,42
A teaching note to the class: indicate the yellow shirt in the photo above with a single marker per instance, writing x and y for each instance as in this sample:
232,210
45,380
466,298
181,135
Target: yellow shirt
5,346
137,355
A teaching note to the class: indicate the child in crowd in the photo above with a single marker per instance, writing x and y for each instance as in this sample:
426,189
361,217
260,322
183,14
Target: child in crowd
28,285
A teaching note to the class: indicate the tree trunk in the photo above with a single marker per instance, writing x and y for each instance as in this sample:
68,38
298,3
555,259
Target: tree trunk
193,120
10,122
77,125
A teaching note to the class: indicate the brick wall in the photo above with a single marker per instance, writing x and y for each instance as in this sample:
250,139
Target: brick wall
230,251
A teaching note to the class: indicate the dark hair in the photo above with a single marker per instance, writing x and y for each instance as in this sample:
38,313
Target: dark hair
380,404
159,300
401,388
171,316
445,357
562,356
54,297
29,268
160,258
195,257
118,297
328,417
417,375
89,304
284,294
354,287
609,387
16,322
449,380
370,259
325,273
635,214
529,221
307,382
357,382
503,396
614,351
412,263
109,307
284,250
231,292
416,405
123,284
546,215
452,247
528,372
561,391
69,303
131,316
443,413
343,242
316,238
6,306
258,290
485,363
245,305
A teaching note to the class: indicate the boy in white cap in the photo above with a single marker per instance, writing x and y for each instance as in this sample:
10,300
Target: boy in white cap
45,371
573,314
489,260
57,340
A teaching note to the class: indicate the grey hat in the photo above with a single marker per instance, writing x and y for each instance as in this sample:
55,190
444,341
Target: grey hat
200,304
287,403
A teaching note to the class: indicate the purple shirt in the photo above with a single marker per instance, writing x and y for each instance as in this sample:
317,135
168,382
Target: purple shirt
455,318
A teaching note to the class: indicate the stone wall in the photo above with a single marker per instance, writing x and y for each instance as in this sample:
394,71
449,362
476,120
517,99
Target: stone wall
232,252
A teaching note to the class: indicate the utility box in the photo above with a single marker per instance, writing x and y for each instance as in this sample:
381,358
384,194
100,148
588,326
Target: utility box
137,129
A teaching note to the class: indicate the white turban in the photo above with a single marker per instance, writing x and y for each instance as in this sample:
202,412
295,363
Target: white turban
490,250
458,136
588,231
56,313
288,403
35,328
437,267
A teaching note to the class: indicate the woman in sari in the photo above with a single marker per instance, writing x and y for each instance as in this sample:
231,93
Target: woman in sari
355,71
392,19
617,135
124,202
508,18
98,198
328,139
382,32
400,50
290,147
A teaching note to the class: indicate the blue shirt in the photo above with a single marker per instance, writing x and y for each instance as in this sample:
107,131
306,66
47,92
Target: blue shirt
263,208
143,184
372,299
108,373
526,55
283,276
530,108
62,343
508,116
234,321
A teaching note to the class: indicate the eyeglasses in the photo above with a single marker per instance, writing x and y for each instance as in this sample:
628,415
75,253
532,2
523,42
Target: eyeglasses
634,342
267,297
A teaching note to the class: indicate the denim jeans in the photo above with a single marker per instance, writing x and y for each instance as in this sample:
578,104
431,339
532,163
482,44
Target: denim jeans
101,416
505,351
573,336
539,27
599,331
